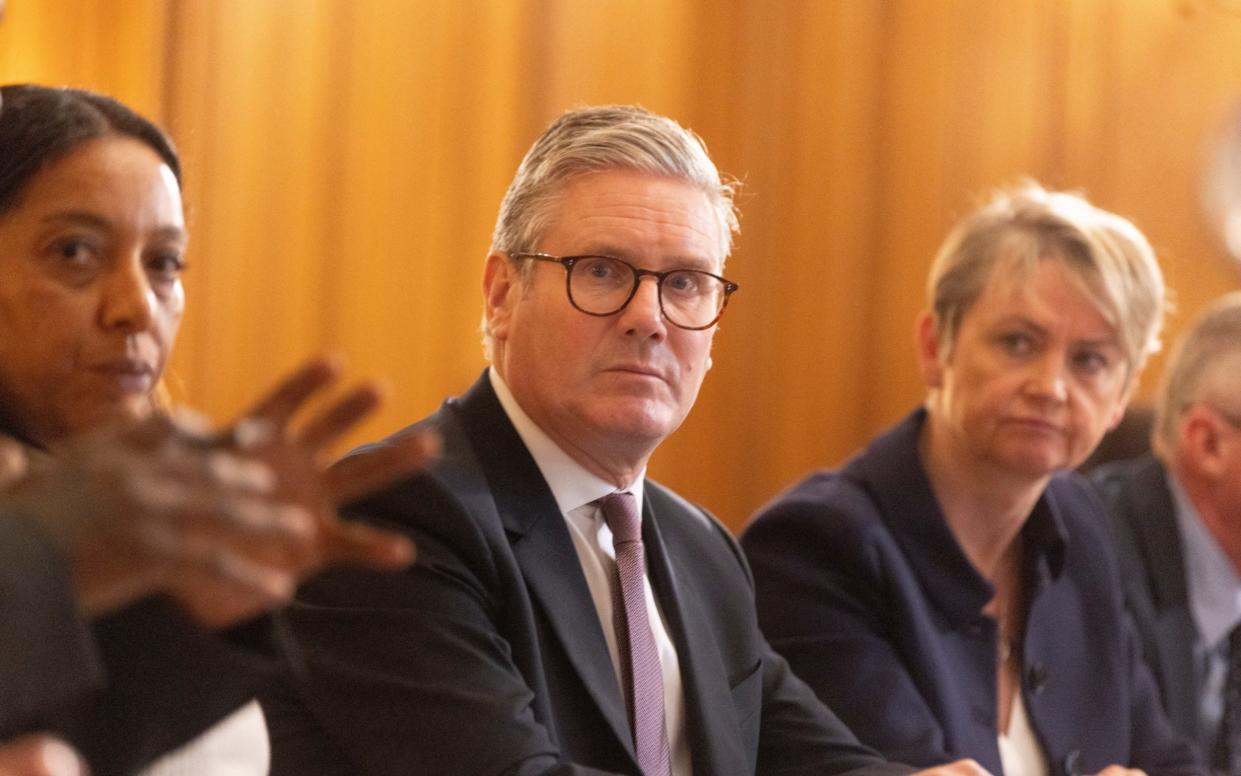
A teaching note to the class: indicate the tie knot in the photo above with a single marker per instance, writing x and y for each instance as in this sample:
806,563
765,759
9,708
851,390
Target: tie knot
620,512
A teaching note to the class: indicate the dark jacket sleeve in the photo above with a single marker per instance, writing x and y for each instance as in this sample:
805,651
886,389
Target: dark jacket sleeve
411,672
821,592
47,652
126,688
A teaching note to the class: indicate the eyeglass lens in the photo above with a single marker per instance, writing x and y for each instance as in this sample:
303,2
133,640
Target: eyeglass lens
601,286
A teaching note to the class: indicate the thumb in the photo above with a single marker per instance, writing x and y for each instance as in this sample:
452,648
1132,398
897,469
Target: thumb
13,462
40,755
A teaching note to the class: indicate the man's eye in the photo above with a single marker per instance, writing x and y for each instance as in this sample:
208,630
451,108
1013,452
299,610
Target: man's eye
600,270
683,282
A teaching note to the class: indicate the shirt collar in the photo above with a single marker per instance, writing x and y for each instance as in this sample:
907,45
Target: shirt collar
571,484
1214,586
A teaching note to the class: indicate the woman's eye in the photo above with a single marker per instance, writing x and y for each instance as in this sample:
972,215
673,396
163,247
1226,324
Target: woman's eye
1016,343
166,266
1091,361
74,252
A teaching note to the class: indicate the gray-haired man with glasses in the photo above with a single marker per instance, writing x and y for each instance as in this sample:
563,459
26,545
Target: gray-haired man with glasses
566,614
1177,515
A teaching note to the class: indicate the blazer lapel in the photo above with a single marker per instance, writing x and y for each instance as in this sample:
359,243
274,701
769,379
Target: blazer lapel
544,550
1159,541
714,736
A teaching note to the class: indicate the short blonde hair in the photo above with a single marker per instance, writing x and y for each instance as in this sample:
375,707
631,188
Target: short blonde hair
1022,225
1209,351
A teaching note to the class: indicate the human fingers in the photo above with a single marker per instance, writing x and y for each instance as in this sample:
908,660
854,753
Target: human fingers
350,543
278,406
40,755
370,469
334,422
13,462
218,603
1120,770
147,555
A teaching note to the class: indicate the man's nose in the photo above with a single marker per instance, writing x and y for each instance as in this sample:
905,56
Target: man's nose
643,315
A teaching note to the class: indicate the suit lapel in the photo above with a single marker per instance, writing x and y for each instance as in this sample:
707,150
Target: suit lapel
544,550
1159,541
715,739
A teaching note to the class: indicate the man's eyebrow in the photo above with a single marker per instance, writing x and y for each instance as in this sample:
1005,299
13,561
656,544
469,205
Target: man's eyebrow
613,251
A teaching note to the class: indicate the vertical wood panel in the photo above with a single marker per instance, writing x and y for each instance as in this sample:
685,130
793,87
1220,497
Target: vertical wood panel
345,162
114,46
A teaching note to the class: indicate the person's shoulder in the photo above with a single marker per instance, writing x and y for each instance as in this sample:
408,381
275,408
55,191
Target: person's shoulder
1117,481
1077,501
451,496
824,501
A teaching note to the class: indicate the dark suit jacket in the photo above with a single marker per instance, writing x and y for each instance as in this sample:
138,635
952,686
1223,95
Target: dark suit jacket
862,586
488,656
123,690
1152,568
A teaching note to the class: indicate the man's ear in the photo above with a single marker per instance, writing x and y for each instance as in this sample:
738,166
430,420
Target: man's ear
927,347
501,286
1201,443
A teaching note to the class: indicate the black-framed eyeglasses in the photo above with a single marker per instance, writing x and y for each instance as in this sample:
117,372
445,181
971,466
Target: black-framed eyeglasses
604,285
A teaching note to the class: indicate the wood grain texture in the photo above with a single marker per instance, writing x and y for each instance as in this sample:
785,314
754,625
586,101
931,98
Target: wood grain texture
345,161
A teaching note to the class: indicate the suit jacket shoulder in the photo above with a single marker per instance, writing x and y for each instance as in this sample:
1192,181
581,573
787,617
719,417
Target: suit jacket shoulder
493,631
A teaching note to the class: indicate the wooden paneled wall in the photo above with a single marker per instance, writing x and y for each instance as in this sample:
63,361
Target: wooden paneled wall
345,159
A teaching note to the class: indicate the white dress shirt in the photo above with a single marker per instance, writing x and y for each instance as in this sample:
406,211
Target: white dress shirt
235,746
1020,752
575,490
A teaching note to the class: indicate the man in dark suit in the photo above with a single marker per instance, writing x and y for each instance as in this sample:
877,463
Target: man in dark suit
1177,520
526,640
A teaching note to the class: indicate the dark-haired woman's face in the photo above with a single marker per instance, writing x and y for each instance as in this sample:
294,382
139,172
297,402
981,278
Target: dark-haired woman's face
90,288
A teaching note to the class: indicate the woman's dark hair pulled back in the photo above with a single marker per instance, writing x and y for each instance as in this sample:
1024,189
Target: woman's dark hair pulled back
40,124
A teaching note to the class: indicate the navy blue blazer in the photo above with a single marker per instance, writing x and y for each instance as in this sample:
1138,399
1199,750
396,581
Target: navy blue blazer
488,657
1152,565
863,588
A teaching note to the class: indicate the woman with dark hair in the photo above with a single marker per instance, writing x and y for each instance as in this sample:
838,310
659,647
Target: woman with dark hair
132,536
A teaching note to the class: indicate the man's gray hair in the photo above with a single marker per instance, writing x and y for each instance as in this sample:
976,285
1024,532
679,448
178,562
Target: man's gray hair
607,137
1203,367
595,139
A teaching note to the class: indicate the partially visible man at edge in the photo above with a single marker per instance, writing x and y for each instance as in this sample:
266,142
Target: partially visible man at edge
567,615
1177,519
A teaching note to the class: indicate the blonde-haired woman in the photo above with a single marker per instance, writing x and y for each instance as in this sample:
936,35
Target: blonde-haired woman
951,592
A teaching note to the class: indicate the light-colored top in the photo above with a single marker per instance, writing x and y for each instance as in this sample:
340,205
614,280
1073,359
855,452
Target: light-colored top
1020,753
575,490
1214,589
235,746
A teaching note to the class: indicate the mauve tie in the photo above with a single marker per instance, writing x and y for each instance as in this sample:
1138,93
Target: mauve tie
644,681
